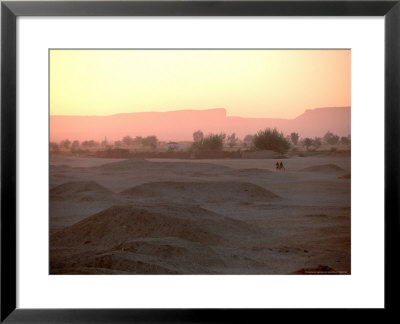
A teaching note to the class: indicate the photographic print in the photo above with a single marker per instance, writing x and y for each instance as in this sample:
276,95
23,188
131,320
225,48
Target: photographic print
200,161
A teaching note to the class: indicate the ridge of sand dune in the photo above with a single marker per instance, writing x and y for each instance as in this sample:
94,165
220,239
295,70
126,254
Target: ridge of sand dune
215,191
80,190
119,224
323,168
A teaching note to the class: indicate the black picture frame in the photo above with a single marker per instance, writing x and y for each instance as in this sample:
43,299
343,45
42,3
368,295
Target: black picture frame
11,10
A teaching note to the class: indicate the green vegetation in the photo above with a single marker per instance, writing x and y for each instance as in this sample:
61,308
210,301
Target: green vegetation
127,140
212,142
198,136
150,141
294,137
307,142
88,144
214,145
65,144
54,148
331,139
317,142
345,140
248,140
271,139
232,140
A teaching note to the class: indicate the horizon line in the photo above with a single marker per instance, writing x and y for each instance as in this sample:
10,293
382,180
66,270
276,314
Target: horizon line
198,110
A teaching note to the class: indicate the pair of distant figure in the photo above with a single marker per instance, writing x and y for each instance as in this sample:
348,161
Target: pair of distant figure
279,166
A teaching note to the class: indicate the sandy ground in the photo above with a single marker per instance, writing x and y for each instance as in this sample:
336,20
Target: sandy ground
230,216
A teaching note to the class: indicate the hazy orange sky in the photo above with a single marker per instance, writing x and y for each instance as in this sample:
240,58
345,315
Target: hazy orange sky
248,83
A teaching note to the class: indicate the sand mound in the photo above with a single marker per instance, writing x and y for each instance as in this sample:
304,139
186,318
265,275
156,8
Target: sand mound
201,191
167,255
163,246
81,191
249,172
164,256
323,168
173,249
119,224
108,262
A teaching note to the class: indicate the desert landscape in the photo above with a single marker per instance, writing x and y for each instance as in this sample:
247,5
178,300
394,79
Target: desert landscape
200,161
225,216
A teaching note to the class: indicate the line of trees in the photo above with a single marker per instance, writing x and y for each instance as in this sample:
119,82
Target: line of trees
149,141
316,142
211,142
77,146
268,139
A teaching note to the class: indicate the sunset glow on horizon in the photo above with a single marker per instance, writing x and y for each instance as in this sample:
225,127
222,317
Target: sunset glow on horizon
247,83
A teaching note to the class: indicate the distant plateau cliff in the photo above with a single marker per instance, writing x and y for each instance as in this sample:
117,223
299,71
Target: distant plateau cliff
179,125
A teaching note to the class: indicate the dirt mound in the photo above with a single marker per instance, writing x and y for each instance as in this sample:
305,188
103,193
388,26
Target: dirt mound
163,246
201,191
323,168
167,255
107,262
173,249
249,172
120,224
142,256
124,165
80,191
